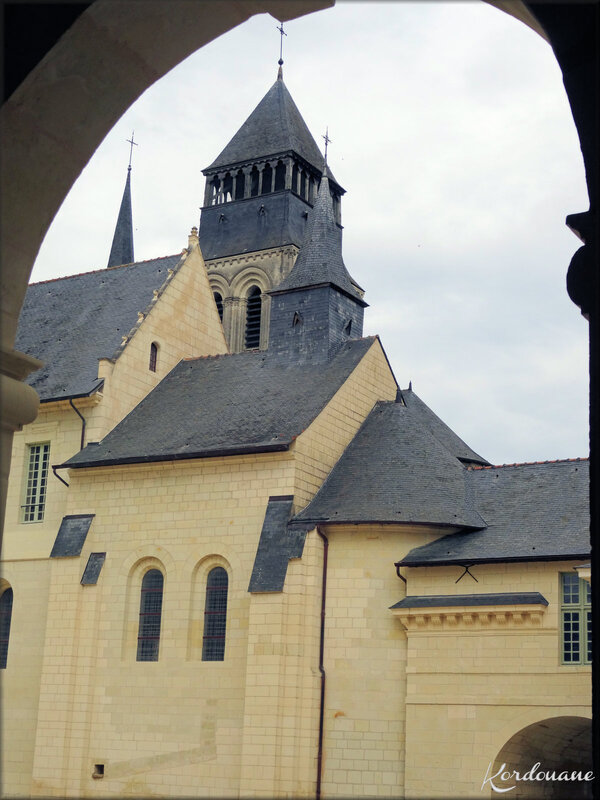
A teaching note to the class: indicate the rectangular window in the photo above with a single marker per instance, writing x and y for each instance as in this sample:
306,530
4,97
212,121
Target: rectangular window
36,481
576,619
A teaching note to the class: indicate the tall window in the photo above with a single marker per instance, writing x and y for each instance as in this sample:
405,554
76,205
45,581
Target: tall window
153,357
6,601
215,615
253,309
219,302
150,615
38,458
576,619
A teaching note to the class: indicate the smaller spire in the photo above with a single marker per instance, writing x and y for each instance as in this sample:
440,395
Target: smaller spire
280,62
121,251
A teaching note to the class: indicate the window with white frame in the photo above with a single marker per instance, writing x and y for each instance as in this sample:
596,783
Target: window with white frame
36,482
576,619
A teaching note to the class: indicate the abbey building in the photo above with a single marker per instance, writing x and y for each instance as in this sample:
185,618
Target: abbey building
241,560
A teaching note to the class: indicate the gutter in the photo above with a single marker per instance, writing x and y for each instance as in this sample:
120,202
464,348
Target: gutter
321,667
83,423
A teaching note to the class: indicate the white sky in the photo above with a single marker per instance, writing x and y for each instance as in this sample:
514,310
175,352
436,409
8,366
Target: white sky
452,134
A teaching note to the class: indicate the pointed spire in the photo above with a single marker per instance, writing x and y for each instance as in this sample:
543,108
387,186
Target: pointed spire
320,258
121,251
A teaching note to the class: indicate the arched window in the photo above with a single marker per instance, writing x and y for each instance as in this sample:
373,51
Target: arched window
254,181
150,615
219,302
240,182
215,615
153,357
6,601
279,177
253,309
303,185
295,178
311,190
216,186
227,188
267,179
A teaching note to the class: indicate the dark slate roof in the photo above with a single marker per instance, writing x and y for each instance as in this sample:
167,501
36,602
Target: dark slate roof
533,512
440,430
320,258
71,535
395,470
493,599
224,405
93,568
276,546
69,323
121,251
275,126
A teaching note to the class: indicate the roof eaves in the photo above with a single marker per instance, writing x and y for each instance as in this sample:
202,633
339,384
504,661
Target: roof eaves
460,562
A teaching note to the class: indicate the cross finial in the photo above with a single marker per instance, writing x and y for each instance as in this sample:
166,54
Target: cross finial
327,140
132,143
282,34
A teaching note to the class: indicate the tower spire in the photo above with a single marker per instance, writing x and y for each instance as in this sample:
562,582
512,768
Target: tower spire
121,251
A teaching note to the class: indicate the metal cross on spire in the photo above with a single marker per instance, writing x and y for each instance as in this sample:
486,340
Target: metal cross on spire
327,140
132,143
282,34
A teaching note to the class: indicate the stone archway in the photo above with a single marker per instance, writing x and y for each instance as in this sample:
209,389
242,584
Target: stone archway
558,745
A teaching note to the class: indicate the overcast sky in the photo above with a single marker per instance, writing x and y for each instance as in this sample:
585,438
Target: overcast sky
451,133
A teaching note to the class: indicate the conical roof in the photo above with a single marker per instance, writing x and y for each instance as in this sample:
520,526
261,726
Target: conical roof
320,258
121,251
275,126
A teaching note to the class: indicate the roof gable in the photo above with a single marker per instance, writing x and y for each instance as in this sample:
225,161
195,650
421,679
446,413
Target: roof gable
69,323
225,405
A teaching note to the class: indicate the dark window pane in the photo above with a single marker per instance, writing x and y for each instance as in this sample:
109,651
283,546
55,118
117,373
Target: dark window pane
150,616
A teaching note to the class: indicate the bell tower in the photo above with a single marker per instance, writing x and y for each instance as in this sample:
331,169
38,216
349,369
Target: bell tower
257,198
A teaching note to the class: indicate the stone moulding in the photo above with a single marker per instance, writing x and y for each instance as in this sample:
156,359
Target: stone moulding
469,617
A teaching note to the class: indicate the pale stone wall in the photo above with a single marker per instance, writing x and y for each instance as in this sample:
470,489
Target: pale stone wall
323,442
365,660
171,727
474,679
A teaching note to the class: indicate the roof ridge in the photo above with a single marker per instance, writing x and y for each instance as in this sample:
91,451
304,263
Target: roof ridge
531,463
104,269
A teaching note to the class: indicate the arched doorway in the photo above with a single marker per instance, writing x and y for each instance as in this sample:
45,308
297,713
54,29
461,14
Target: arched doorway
559,745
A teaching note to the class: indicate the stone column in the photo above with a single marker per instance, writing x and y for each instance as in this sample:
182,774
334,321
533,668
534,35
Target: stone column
265,316
18,406
247,181
288,173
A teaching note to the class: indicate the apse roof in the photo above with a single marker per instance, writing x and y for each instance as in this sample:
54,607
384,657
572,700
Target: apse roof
225,405
395,470
275,126
69,323
532,512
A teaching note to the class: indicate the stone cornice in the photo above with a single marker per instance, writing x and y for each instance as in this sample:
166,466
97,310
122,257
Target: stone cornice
251,258
470,617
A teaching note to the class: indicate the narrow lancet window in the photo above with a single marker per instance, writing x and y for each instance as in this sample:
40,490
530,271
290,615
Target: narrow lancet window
240,182
254,175
227,188
215,615
279,177
153,357
6,602
253,313
150,616
219,303
267,177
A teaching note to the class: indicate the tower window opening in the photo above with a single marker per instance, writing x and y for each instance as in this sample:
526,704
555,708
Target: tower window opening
216,185
295,178
227,188
240,180
267,179
311,190
6,603
254,181
253,313
215,615
150,616
303,185
153,357
219,304
279,177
